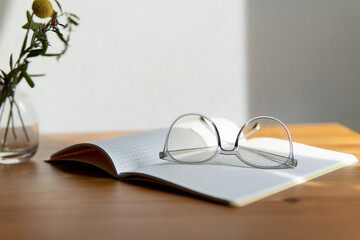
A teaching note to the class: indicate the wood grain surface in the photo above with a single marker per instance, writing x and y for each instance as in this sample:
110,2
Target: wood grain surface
40,200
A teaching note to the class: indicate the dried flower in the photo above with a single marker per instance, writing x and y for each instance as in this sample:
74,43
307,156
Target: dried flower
42,8
35,44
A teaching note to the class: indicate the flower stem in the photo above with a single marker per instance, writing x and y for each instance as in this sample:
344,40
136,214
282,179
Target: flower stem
2,109
7,125
22,121
25,40
13,127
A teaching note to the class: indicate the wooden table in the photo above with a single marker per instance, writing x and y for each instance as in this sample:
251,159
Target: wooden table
39,200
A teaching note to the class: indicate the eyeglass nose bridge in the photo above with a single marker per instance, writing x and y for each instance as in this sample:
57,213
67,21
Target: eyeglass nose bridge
233,151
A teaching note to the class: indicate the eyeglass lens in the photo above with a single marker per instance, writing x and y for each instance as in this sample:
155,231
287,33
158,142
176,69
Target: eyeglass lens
264,142
192,139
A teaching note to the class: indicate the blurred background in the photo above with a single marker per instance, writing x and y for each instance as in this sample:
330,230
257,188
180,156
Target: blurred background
138,64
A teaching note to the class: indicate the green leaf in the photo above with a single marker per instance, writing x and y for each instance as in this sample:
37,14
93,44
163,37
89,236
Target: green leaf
34,26
26,26
28,79
52,55
61,37
11,62
37,75
34,36
26,36
28,16
45,44
35,53
3,73
59,5
75,16
5,77
73,21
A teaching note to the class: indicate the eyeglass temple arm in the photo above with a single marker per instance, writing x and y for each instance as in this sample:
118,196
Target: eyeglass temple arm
274,156
251,131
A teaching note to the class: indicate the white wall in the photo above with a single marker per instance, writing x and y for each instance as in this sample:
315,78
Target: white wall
137,64
304,60
3,7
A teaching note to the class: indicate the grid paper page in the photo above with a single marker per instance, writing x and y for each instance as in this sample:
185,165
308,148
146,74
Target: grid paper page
228,180
134,150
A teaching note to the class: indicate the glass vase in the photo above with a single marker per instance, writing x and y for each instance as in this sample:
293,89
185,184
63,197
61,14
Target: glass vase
19,132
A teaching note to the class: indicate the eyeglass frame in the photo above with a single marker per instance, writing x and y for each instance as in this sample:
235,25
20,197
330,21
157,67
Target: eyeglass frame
291,162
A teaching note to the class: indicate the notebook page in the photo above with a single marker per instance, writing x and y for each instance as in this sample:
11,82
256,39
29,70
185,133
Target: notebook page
134,150
229,180
142,149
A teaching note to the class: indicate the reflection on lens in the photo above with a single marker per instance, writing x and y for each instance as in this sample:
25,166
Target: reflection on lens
264,142
192,139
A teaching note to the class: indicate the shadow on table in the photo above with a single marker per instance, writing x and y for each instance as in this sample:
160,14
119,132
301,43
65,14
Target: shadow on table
87,170
80,169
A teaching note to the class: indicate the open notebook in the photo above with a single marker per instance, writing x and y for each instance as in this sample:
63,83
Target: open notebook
225,179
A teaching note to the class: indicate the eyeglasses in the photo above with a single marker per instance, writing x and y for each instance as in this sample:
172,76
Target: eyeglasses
262,142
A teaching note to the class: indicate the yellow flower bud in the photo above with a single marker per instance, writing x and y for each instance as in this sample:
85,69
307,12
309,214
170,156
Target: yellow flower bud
42,8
